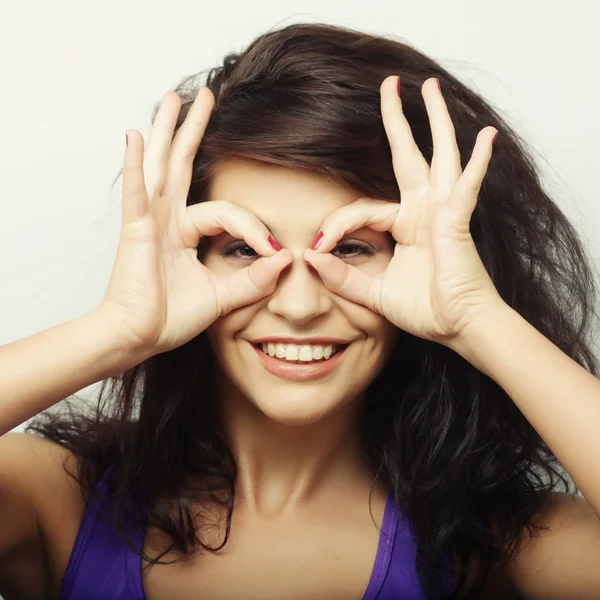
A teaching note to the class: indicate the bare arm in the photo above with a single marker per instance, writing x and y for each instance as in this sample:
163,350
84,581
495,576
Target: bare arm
38,371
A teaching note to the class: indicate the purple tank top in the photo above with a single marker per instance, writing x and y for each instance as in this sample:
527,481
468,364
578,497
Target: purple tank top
101,565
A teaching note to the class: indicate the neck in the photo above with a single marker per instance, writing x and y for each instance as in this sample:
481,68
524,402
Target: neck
281,466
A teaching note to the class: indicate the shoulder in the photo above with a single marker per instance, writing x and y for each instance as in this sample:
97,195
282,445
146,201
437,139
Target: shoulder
557,559
33,469
37,466
561,559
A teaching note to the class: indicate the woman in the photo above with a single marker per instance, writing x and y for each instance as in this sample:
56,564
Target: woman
343,350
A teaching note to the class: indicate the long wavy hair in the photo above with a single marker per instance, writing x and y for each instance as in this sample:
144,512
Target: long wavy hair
460,458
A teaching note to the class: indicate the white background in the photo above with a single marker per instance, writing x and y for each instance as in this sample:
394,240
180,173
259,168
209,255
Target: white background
77,75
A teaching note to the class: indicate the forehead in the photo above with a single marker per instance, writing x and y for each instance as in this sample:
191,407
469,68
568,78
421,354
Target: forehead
280,196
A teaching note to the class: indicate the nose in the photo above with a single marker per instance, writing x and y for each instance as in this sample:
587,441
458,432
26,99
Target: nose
300,295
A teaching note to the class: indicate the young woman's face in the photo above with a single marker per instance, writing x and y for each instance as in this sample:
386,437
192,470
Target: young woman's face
293,204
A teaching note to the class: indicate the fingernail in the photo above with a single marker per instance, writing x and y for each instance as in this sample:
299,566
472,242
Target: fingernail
439,86
398,86
273,243
317,241
495,136
126,139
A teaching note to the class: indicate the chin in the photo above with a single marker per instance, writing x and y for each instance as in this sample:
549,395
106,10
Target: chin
295,408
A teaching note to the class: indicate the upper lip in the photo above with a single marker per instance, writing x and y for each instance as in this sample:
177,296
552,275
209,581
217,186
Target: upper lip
308,341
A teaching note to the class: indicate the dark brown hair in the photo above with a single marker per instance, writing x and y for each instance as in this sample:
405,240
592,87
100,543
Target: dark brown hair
460,458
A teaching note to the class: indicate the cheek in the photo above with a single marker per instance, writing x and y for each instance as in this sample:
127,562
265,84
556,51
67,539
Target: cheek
385,336
220,265
220,338
215,337
380,333
225,329
221,331
371,323
376,264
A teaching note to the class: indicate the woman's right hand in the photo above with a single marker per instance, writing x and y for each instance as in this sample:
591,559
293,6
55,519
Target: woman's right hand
159,294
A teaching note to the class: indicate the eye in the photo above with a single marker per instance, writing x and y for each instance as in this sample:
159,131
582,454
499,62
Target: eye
346,250
239,250
353,250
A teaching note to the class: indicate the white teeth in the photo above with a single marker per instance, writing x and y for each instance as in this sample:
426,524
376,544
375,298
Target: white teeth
292,352
305,353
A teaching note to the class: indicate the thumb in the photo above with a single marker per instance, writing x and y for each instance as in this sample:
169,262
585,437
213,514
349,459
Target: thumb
253,282
343,279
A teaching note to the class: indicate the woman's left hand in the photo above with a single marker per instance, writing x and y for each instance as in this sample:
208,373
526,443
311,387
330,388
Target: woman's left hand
436,285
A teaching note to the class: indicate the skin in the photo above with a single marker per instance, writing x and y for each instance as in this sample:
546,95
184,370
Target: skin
312,424
433,286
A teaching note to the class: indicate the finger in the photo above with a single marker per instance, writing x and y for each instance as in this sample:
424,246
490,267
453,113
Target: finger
185,146
251,283
445,164
159,143
378,215
135,199
345,280
217,216
463,199
410,168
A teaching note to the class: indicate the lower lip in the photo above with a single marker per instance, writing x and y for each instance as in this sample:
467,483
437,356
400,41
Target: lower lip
299,371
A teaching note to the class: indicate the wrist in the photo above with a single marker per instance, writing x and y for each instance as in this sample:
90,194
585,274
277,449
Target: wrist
475,340
126,350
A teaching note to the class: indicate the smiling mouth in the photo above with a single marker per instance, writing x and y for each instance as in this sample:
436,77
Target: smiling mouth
303,355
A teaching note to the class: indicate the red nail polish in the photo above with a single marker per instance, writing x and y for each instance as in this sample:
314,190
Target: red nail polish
439,86
317,241
494,138
126,139
273,243
398,86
